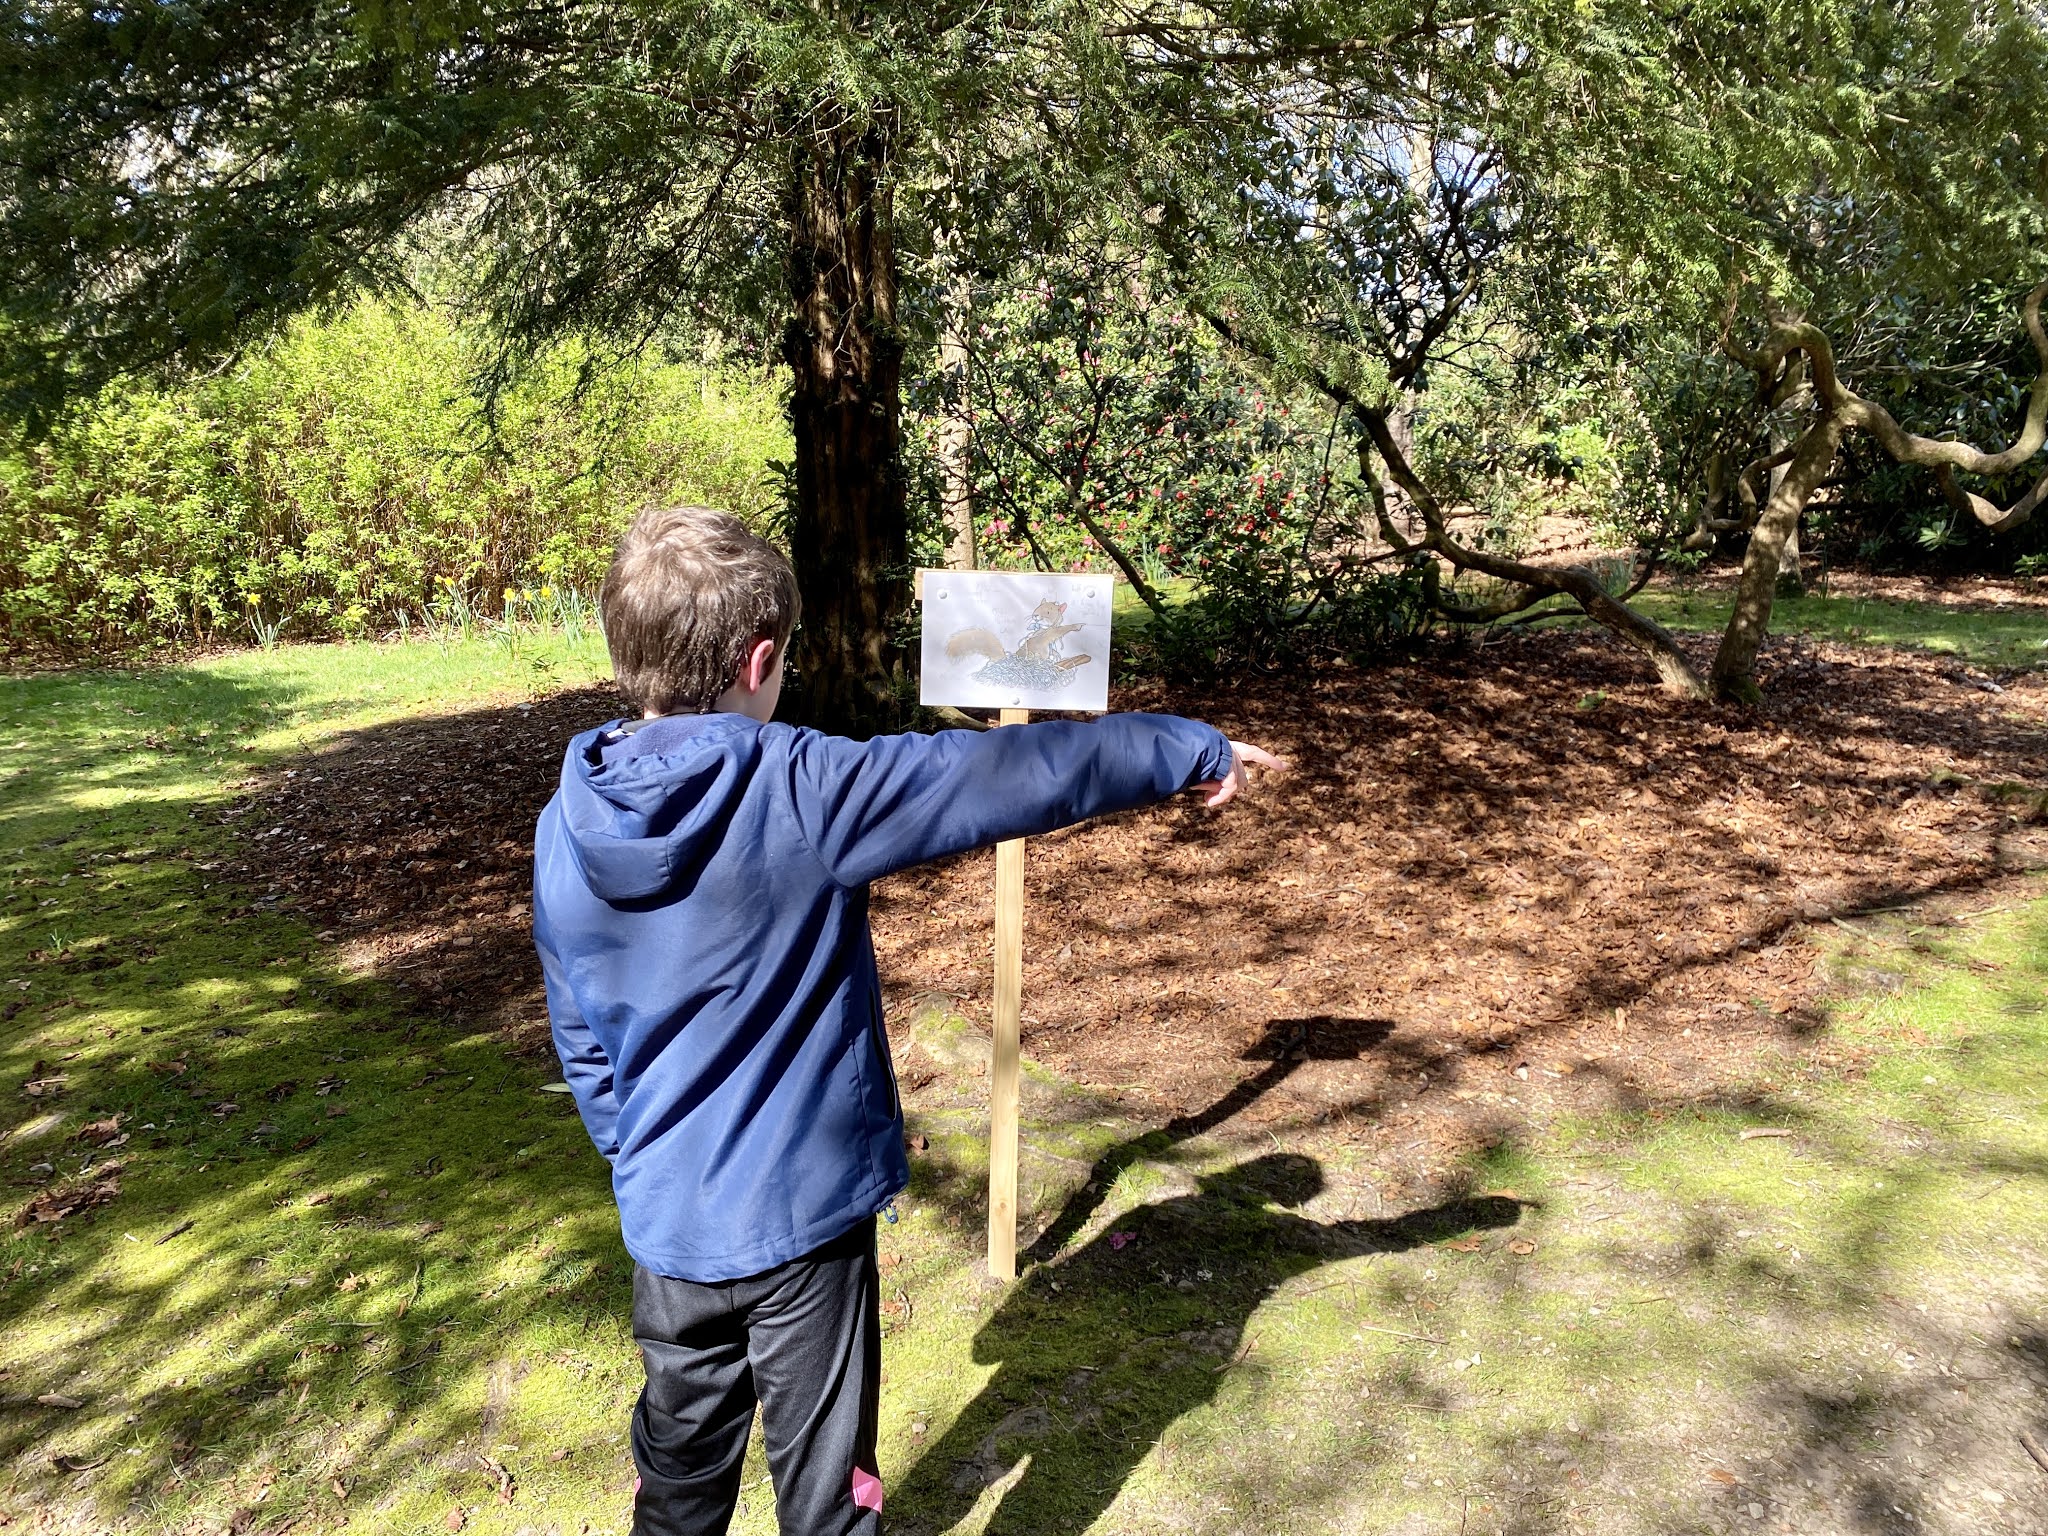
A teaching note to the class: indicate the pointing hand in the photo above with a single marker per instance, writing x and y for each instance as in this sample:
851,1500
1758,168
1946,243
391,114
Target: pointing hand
1242,755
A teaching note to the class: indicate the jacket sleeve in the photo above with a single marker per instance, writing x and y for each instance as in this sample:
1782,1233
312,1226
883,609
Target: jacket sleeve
585,1067
869,808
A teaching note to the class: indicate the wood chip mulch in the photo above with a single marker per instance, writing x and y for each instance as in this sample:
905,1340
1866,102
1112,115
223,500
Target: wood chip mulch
1496,883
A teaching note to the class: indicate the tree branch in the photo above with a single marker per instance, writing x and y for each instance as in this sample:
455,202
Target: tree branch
1943,455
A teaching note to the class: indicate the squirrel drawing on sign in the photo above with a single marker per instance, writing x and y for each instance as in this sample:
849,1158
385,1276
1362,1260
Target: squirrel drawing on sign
1040,645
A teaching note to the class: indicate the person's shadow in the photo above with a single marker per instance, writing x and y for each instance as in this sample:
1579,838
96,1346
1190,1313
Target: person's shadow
1097,1355
1283,1045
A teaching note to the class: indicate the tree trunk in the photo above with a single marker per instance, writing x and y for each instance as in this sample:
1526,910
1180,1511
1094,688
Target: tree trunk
956,427
1735,660
849,531
1791,575
1791,569
1401,426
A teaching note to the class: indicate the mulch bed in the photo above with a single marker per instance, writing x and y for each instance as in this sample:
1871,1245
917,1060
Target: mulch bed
1497,882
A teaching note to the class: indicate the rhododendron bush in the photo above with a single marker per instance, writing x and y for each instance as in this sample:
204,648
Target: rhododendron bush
1111,431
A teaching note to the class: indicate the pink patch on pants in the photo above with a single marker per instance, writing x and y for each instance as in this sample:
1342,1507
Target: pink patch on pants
867,1490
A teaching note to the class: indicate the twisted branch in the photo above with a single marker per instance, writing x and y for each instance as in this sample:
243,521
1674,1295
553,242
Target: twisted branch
1942,455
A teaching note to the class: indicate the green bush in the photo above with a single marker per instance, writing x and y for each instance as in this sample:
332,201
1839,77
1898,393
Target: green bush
1108,421
342,479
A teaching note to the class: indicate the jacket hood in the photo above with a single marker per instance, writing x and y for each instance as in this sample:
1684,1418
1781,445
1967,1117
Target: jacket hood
643,811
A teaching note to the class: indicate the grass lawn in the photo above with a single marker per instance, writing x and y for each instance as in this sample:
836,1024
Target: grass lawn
292,1255
2013,637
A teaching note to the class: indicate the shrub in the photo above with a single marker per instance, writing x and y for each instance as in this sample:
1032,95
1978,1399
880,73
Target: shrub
343,476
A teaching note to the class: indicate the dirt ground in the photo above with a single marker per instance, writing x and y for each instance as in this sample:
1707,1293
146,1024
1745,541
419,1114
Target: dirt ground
1497,884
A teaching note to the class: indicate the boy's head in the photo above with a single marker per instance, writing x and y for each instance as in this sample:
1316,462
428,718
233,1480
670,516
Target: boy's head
691,595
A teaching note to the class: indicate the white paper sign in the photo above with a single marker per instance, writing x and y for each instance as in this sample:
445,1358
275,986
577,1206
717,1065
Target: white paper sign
1016,640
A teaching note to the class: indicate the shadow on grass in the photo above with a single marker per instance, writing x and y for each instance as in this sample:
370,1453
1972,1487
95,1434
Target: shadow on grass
1284,1045
278,1236
1081,1395
315,1128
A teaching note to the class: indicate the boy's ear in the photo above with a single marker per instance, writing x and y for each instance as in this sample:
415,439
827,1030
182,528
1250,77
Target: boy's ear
760,663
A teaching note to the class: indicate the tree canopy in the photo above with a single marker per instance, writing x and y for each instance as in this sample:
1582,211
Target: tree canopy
1350,190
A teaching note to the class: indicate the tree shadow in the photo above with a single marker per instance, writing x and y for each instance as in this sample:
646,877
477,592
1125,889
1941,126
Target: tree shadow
425,890
317,1206
1100,1353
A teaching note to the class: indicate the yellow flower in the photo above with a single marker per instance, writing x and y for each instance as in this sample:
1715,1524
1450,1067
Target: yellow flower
546,592
510,595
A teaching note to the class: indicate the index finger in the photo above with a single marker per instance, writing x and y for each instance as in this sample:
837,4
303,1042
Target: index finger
1259,756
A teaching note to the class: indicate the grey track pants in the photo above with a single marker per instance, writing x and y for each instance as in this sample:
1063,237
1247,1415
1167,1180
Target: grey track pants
804,1340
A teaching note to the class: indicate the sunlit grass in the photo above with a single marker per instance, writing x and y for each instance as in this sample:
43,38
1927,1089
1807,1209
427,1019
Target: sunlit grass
401,1254
2012,637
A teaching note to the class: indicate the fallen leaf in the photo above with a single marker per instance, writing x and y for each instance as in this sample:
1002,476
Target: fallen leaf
1118,1240
322,1198
1724,1477
1466,1245
60,1400
340,1492
55,1204
353,1283
1521,1247
457,1519
506,1486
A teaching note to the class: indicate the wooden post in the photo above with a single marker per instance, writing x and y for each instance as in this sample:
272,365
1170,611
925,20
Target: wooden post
1002,1085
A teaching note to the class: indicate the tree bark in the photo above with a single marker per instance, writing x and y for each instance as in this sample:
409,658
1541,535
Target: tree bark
849,532
1789,341
1791,567
1734,672
1791,575
956,426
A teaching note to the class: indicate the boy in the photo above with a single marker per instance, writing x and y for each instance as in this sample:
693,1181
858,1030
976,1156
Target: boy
701,911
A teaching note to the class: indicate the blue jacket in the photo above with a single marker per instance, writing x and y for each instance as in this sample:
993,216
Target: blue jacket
701,909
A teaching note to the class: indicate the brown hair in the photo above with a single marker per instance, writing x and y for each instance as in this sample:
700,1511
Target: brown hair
689,592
